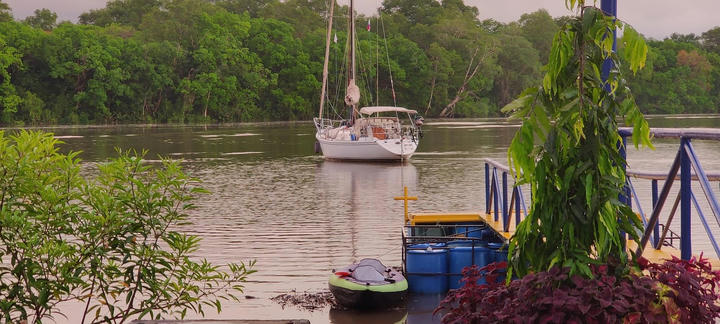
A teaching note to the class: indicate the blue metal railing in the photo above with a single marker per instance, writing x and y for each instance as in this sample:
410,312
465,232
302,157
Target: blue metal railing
492,195
686,163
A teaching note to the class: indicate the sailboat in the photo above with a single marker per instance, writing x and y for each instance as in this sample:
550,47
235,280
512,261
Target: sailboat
373,133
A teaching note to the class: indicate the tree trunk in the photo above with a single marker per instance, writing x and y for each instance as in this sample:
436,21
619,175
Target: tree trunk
144,105
207,101
432,89
469,75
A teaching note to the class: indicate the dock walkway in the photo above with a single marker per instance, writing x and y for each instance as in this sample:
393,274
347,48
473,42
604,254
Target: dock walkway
654,255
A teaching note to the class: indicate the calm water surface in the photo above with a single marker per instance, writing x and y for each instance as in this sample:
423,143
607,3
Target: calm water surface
274,201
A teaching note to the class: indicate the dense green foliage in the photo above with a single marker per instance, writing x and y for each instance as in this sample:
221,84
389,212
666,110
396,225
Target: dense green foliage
43,19
247,60
567,150
682,75
5,14
110,243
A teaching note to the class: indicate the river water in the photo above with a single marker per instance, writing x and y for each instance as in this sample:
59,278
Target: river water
274,201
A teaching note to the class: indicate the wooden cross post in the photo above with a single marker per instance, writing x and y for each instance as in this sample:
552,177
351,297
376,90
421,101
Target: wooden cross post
406,198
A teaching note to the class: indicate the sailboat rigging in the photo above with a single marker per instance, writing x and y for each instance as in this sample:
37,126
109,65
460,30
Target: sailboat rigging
369,133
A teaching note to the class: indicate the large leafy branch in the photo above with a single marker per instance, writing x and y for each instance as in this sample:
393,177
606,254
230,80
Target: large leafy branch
567,148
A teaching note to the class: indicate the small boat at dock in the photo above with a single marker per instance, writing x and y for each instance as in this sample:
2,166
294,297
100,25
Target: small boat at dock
368,284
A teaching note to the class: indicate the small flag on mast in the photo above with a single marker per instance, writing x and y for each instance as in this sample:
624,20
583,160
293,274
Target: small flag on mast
368,26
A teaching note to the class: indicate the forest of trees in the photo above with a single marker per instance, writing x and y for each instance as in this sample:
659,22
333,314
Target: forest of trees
187,61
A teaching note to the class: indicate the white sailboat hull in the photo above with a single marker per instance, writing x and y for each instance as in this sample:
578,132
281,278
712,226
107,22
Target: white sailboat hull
372,150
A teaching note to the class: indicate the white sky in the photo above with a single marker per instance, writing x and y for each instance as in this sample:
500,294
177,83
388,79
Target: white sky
652,18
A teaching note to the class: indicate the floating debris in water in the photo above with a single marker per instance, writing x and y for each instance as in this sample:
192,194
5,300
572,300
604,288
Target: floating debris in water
306,300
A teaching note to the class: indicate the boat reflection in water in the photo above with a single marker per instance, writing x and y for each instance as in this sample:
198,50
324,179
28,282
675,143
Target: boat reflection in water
358,197
360,194
378,181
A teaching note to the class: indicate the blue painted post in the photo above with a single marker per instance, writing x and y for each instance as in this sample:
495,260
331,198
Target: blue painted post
487,188
518,201
496,205
609,7
685,202
625,195
505,199
656,230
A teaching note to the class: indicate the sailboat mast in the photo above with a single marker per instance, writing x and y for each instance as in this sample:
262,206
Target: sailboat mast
327,58
352,93
352,41
351,81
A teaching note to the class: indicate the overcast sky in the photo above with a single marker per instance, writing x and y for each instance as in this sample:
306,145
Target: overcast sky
652,18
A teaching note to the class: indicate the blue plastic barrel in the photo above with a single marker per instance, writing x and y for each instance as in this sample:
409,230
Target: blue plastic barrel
457,243
430,264
498,252
462,256
473,230
487,233
460,230
430,231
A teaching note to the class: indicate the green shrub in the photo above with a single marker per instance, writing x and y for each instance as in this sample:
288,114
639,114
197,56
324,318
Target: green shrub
111,242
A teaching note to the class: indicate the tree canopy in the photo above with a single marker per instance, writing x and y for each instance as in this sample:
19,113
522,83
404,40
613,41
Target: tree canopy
43,19
5,13
258,60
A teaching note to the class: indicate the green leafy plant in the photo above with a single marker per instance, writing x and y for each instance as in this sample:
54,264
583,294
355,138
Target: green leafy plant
567,149
111,242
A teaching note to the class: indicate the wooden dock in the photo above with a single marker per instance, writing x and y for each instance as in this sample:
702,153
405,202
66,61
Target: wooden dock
654,255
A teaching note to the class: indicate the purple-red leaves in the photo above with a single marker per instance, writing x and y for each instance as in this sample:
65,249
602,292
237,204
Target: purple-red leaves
695,291
674,292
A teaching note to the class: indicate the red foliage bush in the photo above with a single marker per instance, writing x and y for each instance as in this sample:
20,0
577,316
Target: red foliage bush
675,292
695,288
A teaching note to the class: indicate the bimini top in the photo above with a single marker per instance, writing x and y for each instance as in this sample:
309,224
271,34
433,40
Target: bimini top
380,109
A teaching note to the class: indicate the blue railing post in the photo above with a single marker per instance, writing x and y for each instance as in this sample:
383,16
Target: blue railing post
505,200
496,199
669,180
625,195
709,194
609,7
487,188
518,201
656,228
685,202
